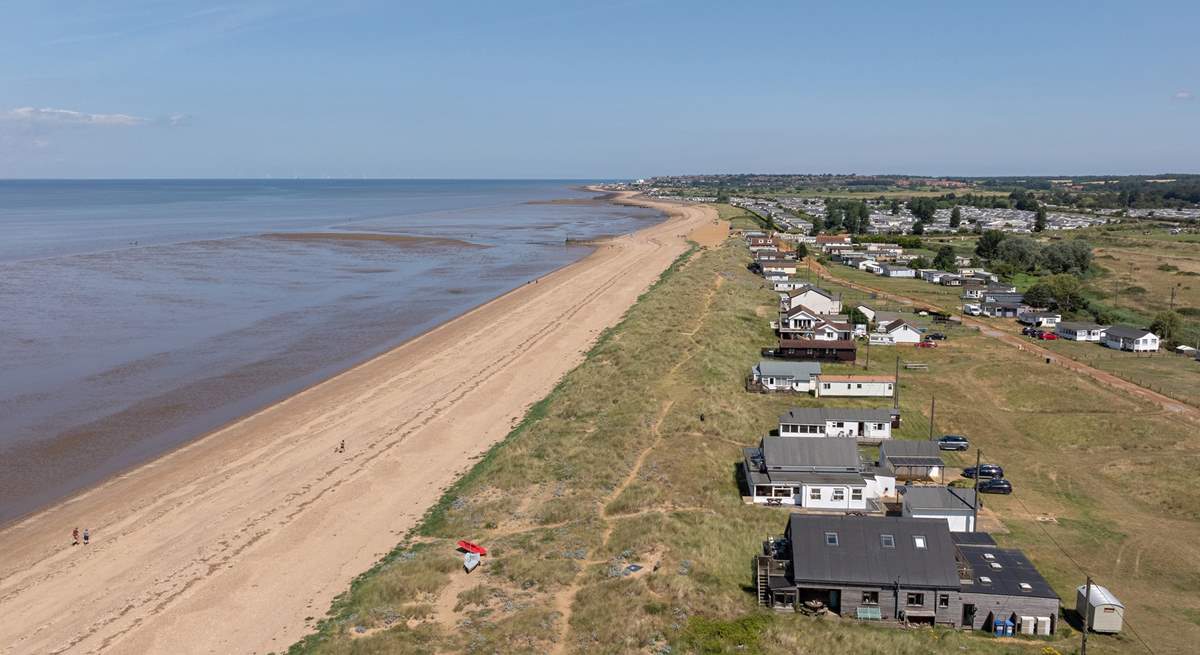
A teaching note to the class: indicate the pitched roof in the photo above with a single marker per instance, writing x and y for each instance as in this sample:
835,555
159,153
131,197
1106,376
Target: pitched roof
1077,326
896,324
823,414
938,498
911,453
1127,332
799,309
808,287
860,558
793,453
776,368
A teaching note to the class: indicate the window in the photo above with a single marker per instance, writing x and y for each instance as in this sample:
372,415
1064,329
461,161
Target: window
1025,586
814,493
827,385
856,494
839,424
887,540
943,600
788,427
831,539
870,598
915,600
783,492
839,494
918,541
859,385
877,426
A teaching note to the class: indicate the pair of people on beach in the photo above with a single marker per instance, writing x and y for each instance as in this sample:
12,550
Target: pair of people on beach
87,537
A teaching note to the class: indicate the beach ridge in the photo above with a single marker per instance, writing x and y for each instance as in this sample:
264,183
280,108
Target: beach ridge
214,532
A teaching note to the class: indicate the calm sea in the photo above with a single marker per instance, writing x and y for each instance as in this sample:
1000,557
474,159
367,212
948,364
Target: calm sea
136,315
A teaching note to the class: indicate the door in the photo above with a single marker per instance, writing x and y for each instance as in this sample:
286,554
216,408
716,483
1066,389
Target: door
968,615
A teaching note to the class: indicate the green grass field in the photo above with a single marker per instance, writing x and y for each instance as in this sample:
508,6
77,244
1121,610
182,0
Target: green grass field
631,461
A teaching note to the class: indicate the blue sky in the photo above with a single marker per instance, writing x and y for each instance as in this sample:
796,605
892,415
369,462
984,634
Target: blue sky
359,88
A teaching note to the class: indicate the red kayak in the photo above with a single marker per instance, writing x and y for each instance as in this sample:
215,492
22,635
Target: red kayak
472,548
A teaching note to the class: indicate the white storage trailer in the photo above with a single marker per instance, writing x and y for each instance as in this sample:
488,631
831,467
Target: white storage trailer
1102,612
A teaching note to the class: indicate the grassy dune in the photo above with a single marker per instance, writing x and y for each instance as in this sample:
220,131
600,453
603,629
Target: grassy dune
631,461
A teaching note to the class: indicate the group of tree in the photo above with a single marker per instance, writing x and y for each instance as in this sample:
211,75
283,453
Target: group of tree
1008,254
853,216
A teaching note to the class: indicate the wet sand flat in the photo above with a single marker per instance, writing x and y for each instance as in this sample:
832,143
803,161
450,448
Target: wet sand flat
227,544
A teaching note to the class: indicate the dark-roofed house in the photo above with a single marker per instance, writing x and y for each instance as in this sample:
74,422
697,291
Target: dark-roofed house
1039,319
1003,586
903,570
820,474
817,350
953,505
1077,331
1126,337
1002,309
782,375
882,568
912,460
862,424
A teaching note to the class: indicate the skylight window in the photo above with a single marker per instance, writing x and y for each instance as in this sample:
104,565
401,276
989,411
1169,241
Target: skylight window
887,540
996,565
988,556
918,541
831,539
1025,586
985,580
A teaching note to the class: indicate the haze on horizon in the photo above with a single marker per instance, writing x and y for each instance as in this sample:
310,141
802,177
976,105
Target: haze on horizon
364,88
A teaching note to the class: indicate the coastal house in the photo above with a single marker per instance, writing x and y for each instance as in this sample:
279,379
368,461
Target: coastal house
798,322
894,332
888,270
903,570
851,423
1126,337
853,386
815,298
888,568
912,461
1039,319
950,280
814,350
776,375
821,474
787,285
784,267
953,505
1002,309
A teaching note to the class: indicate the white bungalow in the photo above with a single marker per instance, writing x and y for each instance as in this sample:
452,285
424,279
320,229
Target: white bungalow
784,375
895,332
1124,337
866,424
1080,331
822,474
814,298
955,506
1039,319
854,386
897,271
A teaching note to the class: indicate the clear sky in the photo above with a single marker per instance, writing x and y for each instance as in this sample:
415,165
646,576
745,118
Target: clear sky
358,88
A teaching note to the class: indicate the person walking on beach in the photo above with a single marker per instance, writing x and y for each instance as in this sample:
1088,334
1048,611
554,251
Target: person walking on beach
75,537
86,537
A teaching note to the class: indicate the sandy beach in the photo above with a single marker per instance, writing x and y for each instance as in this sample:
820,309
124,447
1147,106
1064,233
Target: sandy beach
233,542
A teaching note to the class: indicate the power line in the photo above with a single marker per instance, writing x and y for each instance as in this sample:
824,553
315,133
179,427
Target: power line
1124,619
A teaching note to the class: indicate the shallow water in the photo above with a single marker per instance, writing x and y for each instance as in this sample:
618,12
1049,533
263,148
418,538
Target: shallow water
135,316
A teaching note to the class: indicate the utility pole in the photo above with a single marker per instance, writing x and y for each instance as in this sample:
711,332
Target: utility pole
1173,296
932,409
896,387
1087,614
868,353
975,508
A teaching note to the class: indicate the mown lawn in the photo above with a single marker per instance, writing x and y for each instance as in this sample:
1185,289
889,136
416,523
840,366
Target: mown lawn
631,461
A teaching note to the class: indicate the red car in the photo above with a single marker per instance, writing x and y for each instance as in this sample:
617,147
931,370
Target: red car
1048,336
926,344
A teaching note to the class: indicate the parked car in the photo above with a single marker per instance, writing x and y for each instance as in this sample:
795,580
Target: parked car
953,442
926,344
1048,336
985,471
935,336
995,486
1030,331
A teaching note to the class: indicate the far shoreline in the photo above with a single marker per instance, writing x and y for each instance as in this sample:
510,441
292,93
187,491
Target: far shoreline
365,358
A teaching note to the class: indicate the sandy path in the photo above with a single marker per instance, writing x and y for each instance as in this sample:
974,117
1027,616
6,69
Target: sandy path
1108,379
228,544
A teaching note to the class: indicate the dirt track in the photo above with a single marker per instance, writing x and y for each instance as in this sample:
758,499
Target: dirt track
1166,402
228,544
